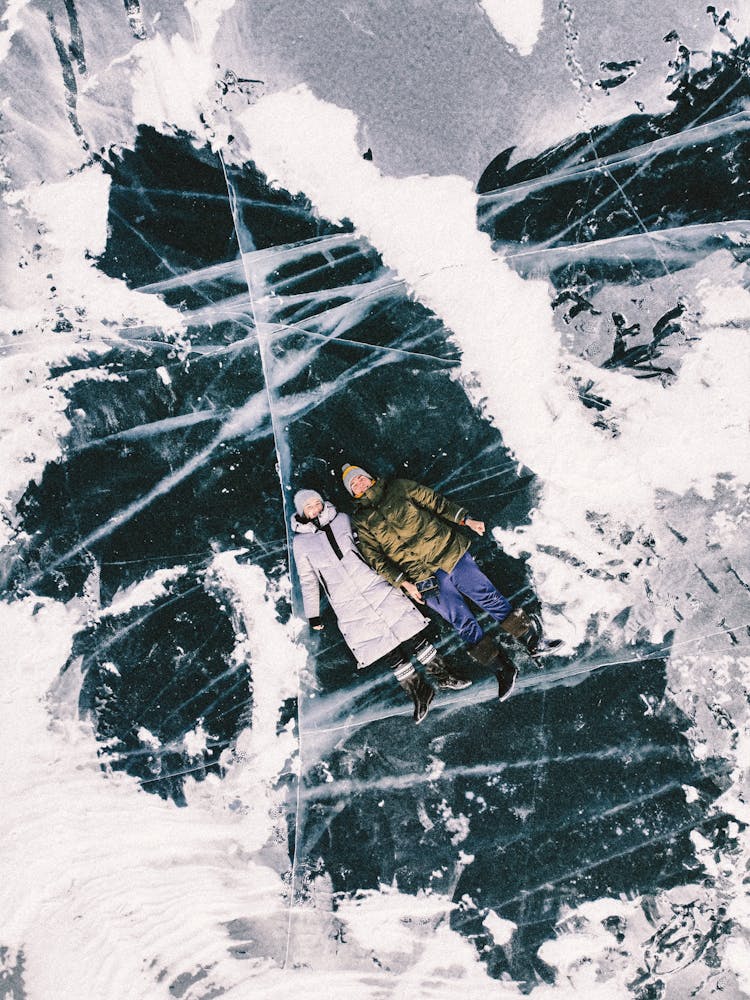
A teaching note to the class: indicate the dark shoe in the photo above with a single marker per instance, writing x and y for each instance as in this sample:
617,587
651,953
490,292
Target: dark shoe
506,678
420,692
533,640
527,629
438,671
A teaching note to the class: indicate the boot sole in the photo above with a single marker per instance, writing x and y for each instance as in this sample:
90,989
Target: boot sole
553,645
456,686
426,710
506,694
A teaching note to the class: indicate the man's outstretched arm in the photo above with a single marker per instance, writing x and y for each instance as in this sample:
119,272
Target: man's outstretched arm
423,496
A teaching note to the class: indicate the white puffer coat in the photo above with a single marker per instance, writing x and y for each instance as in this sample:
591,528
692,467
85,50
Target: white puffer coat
374,617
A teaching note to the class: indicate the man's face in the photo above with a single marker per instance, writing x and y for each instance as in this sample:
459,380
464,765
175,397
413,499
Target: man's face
360,484
312,509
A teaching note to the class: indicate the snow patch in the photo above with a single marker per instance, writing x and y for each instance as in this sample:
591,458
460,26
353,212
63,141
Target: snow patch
148,739
58,306
143,592
206,16
74,211
275,661
691,794
90,858
500,929
517,21
11,23
177,77
195,742
457,825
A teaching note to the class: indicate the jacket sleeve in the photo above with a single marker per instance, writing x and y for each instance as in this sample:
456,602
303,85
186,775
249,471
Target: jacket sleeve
423,496
375,557
309,585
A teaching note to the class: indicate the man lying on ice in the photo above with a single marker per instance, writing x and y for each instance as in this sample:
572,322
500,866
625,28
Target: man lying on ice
408,534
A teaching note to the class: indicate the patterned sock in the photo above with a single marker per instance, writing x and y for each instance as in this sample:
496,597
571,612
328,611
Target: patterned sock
425,653
403,672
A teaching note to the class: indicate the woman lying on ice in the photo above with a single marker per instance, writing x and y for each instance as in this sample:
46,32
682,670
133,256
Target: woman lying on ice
408,533
378,623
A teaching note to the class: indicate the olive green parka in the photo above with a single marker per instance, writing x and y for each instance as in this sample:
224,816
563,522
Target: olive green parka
407,531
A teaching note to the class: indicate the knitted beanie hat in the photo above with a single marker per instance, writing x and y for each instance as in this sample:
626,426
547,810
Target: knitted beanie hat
349,473
301,497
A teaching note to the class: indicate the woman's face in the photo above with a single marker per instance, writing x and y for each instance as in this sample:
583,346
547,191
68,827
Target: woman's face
312,509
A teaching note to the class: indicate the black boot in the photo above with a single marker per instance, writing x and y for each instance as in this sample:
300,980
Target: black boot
491,654
527,629
438,670
506,672
420,692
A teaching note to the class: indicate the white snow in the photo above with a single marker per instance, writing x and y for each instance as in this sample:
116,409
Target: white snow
384,919
275,662
11,23
73,212
500,929
176,76
142,592
206,16
195,742
101,884
517,21
65,222
172,83
148,739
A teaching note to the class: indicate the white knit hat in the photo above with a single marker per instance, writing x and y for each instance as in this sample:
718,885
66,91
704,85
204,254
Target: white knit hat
302,497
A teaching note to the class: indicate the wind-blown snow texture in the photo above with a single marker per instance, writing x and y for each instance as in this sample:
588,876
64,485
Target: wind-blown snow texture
212,298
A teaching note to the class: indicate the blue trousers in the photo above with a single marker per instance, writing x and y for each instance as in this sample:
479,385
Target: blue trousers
466,580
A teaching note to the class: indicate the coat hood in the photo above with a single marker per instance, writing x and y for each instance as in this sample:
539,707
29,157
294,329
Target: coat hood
308,527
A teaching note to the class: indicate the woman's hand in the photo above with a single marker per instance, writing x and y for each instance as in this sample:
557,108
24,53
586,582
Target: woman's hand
476,526
411,590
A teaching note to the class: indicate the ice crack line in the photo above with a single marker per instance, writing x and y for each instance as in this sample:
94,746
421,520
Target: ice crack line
262,345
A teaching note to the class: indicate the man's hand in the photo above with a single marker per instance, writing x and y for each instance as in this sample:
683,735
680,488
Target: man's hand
477,526
412,591
318,628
